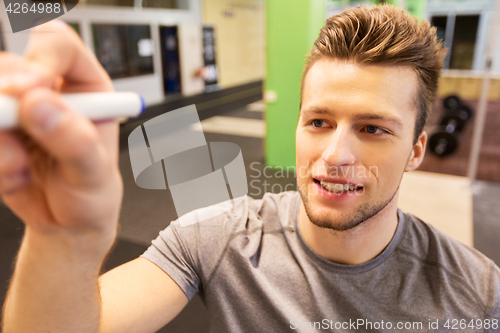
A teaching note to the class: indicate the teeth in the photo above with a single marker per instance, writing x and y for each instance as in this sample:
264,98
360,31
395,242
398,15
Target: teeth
338,188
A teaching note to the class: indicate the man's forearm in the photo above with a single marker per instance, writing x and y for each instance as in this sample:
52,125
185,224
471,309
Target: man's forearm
54,287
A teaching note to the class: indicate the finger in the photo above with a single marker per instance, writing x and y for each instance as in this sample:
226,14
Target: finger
67,136
14,172
59,50
13,157
18,76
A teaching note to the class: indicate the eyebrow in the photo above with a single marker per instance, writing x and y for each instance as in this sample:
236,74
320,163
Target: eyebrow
361,116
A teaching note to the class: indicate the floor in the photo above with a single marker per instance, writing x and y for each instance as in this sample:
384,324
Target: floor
468,213
452,213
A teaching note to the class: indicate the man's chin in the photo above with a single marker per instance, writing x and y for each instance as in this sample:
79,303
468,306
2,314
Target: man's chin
335,222
331,218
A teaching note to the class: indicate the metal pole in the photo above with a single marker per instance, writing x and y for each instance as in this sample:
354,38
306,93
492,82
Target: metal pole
477,134
448,37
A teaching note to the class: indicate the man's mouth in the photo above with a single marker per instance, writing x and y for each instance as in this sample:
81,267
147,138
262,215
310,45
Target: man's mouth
338,187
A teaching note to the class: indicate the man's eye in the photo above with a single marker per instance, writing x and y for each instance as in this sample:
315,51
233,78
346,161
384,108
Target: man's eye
372,129
317,123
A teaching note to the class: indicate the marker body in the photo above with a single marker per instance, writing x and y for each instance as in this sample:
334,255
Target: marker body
95,106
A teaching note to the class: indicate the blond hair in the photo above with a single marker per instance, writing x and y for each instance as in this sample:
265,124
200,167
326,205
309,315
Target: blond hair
385,35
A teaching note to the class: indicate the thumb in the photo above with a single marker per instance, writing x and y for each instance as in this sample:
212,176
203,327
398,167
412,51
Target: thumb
65,135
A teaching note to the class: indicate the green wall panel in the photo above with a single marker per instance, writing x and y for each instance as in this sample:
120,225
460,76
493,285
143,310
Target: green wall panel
416,8
292,27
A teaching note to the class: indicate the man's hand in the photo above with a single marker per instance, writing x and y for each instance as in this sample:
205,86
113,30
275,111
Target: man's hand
59,174
60,170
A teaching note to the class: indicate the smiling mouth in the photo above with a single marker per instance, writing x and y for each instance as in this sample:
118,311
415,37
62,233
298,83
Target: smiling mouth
338,188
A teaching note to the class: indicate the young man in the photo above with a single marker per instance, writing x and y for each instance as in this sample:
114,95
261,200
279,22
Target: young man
337,256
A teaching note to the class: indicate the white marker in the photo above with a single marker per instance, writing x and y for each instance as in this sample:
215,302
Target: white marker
95,106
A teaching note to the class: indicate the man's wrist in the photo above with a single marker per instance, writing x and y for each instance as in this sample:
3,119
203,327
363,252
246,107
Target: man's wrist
80,246
61,269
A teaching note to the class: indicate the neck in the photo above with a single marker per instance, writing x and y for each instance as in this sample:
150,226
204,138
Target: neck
355,246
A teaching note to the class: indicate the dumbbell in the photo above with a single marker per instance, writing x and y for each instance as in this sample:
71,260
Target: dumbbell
452,102
454,106
457,114
445,141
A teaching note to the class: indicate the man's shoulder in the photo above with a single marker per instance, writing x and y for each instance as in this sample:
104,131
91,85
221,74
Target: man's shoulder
441,253
206,234
244,212
434,245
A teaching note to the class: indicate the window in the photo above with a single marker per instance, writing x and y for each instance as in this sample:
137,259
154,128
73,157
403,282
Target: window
440,23
124,50
464,42
461,42
164,4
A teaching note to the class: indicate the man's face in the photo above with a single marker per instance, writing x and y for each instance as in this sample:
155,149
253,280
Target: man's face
354,140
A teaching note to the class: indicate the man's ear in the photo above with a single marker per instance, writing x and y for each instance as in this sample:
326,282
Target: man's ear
417,153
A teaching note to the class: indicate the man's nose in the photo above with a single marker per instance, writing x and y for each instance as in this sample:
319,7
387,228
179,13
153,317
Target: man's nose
339,151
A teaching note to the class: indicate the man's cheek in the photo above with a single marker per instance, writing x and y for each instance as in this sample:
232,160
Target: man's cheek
302,173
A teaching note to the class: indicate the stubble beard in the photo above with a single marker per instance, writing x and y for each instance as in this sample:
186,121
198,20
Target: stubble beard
347,221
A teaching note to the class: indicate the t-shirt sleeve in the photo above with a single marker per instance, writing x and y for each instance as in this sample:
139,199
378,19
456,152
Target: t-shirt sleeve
190,248
170,252
494,297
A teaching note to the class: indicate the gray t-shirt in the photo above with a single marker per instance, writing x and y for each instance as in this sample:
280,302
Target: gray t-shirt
255,273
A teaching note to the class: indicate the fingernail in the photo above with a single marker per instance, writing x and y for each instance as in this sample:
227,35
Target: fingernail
47,116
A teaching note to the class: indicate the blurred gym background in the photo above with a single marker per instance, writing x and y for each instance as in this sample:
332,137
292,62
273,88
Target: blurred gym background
240,62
